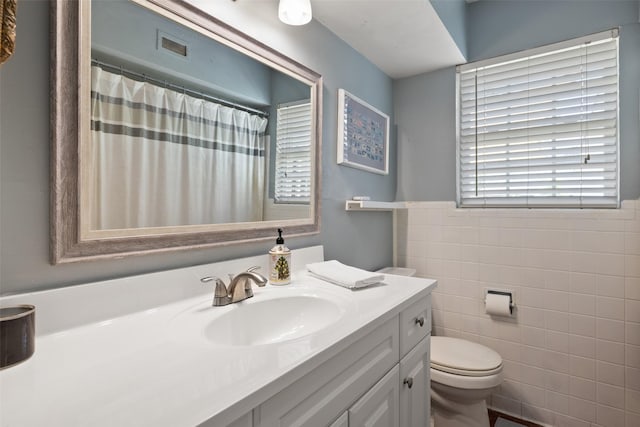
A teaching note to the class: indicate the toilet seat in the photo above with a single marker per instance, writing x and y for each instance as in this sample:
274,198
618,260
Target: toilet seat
465,382
462,357
465,372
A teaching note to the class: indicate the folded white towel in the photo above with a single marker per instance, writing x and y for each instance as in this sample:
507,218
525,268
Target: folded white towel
343,275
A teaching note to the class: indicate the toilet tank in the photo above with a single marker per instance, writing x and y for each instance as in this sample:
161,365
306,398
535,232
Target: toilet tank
399,271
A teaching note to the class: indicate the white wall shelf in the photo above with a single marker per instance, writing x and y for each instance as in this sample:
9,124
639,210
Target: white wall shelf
370,205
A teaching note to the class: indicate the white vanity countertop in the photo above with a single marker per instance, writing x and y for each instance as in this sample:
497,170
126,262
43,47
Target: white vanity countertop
155,367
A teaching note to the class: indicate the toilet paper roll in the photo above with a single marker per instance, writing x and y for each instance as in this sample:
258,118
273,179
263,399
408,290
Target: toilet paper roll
497,304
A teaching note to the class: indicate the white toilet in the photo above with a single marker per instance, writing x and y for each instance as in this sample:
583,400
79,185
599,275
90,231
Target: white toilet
463,374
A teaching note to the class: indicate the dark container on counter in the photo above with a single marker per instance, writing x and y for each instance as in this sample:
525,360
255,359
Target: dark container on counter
17,334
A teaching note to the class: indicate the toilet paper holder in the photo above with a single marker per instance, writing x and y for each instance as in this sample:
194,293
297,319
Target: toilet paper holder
508,293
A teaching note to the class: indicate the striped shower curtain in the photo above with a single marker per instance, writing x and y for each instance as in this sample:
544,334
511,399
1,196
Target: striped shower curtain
164,158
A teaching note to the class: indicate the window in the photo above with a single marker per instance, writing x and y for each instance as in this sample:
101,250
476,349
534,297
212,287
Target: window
293,153
540,128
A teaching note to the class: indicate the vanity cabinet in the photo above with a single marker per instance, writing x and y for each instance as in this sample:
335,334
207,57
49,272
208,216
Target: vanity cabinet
380,380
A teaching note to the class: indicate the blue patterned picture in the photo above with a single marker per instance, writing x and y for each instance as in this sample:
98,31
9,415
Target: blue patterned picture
363,135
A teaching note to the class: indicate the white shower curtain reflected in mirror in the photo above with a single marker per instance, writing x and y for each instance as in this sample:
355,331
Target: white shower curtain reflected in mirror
164,158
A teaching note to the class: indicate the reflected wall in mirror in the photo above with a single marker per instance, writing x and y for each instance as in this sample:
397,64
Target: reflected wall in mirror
189,133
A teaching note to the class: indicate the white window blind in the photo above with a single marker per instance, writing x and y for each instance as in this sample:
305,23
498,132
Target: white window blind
540,128
293,153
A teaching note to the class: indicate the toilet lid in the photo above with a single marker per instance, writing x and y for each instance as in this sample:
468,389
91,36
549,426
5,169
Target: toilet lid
463,357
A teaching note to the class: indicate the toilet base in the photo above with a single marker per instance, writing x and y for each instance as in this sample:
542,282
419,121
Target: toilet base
450,413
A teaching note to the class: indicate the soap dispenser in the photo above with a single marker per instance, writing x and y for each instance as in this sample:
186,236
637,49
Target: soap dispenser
279,262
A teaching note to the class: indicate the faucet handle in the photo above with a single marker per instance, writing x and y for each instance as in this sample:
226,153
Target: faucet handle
249,270
220,295
253,270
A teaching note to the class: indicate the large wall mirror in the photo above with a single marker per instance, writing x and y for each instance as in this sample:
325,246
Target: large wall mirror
172,130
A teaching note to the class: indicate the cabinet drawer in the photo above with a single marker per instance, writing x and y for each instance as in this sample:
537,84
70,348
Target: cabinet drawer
330,389
415,324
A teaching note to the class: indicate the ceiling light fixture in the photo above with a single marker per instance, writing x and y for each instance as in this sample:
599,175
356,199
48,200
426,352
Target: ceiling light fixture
295,12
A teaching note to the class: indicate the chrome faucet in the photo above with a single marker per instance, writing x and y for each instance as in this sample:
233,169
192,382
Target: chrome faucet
239,287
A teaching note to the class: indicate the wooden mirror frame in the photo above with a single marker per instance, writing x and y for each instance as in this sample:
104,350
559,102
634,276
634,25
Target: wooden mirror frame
70,54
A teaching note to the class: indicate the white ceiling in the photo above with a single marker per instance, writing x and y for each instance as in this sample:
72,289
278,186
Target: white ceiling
402,37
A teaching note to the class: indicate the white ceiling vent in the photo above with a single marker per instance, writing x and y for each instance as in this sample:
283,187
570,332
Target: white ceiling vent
172,45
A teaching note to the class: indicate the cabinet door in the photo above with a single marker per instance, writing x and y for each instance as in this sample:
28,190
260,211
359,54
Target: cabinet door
343,421
379,406
415,386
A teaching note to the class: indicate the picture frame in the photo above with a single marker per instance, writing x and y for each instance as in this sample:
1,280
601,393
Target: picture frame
363,135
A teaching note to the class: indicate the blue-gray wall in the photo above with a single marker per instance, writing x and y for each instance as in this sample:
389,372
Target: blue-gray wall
426,120
453,14
361,239
425,104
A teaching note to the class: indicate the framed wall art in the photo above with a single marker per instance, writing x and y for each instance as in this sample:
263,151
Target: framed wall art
363,135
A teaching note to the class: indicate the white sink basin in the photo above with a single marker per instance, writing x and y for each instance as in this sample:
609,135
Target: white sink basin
273,320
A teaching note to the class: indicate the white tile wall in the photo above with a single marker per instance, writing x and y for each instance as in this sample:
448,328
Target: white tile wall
572,351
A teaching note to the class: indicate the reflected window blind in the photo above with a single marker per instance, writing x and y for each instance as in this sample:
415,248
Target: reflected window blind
293,153
540,128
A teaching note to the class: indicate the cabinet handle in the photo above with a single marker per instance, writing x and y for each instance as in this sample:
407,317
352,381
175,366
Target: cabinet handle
420,321
408,381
